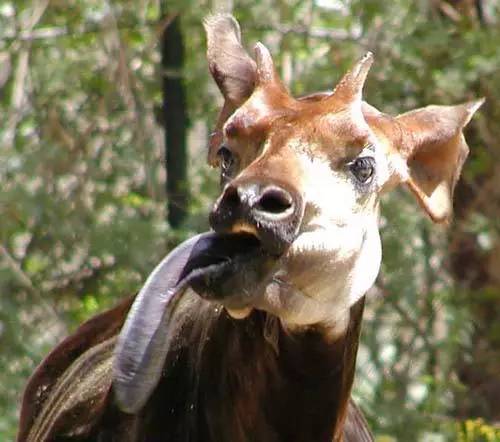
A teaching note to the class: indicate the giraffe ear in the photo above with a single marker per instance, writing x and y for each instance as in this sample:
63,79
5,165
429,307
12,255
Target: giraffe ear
435,150
233,70
231,66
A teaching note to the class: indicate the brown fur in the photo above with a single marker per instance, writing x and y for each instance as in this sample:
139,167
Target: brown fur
227,380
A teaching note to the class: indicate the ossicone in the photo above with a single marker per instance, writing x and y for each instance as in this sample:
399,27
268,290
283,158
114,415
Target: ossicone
350,88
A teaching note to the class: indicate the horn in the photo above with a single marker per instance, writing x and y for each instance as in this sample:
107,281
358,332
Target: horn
265,65
350,87
266,71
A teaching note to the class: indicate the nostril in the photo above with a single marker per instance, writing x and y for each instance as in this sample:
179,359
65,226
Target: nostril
231,198
226,210
274,200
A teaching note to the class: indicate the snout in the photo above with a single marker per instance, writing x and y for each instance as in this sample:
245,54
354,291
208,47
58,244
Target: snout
271,211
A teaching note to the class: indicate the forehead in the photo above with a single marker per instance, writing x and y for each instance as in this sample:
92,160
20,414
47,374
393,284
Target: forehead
305,127
337,132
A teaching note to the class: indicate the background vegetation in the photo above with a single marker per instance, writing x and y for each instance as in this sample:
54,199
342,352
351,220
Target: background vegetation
84,190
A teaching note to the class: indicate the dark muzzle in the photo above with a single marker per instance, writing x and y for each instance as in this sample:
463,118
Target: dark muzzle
269,211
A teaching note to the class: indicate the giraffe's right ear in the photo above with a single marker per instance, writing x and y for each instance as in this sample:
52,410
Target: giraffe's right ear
232,68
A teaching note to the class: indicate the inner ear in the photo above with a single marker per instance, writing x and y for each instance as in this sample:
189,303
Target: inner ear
435,150
231,66
434,174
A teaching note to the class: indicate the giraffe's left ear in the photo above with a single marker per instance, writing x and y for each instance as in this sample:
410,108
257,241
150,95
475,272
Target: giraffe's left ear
433,144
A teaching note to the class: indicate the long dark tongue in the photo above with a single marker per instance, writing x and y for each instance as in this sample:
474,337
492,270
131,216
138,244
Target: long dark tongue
144,340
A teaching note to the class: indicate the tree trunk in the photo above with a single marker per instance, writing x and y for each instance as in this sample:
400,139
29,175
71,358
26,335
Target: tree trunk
175,122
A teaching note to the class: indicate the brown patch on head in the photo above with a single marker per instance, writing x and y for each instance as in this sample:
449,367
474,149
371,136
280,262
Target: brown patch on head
311,131
253,120
327,125
251,125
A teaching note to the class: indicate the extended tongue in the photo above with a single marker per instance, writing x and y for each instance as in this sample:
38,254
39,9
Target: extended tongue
145,339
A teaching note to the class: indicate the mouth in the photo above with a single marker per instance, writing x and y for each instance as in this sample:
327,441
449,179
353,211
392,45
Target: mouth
217,251
228,268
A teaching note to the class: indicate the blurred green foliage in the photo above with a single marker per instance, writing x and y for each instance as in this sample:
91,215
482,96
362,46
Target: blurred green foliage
83,208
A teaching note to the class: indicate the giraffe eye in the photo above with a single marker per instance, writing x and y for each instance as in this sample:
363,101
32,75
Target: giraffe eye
363,169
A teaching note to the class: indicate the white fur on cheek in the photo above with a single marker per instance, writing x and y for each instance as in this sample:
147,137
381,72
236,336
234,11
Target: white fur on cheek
336,257
367,265
323,274
332,193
